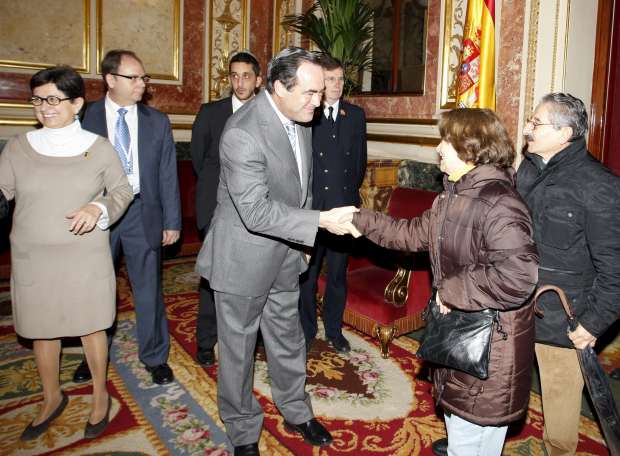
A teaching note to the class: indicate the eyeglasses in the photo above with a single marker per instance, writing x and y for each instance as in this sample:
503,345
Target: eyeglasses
331,79
52,100
146,78
535,123
244,76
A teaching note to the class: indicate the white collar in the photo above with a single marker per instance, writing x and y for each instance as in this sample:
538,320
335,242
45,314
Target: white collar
285,120
111,105
236,103
335,106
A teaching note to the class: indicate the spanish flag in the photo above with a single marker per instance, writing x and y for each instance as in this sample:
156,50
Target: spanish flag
476,78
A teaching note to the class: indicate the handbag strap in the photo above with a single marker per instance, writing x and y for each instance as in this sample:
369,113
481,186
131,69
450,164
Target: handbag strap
569,312
498,326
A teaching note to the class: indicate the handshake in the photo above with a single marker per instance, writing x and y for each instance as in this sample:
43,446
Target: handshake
339,221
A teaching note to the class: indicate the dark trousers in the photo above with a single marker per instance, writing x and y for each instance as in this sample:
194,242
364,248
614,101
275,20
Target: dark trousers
144,269
206,321
335,249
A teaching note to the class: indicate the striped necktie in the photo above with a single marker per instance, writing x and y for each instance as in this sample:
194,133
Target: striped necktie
291,131
122,141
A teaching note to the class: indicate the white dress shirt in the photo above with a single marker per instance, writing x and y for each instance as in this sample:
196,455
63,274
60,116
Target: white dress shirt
236,103
326,109
131,117
285,120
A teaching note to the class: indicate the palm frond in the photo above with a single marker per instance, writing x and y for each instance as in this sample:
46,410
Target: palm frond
340,28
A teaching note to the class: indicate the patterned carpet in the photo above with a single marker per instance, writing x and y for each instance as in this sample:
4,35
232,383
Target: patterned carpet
371,405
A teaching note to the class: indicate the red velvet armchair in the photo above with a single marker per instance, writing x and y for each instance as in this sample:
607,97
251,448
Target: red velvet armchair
190,240
388,290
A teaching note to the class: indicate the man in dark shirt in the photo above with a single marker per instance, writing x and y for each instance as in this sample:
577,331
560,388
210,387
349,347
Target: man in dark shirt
339,165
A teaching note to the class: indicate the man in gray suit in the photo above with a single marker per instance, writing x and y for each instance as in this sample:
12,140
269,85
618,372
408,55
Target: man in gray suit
253,252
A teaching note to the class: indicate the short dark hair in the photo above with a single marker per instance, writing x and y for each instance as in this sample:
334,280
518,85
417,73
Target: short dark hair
65,78
245,57
478,136
567,111
283,67
112,60
331,63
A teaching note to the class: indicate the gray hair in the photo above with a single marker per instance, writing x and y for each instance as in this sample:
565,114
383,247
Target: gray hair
567,111
283,67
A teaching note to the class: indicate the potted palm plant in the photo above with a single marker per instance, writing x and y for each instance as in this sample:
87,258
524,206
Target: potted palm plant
342,29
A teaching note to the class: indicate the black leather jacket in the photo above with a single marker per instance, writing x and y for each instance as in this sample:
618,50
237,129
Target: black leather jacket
575,205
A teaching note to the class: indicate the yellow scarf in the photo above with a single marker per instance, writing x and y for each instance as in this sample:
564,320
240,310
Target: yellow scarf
456,175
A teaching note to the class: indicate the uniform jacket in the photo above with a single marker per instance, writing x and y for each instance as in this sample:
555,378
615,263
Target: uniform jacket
339,157
205,151
159,183
479,236
261,221
575,205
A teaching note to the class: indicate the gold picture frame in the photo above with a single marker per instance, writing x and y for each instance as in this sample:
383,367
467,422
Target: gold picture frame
23,22
281,37
138,26
455,13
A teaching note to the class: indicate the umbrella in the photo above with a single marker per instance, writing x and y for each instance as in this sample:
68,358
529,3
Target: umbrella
595,379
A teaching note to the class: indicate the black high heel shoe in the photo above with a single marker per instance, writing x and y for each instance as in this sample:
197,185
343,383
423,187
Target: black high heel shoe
33,431
92,431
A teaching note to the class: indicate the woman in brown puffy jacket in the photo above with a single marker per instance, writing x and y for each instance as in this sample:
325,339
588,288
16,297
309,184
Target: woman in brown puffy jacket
479,235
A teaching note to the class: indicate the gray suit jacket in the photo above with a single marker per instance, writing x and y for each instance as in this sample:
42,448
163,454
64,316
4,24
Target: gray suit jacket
262,219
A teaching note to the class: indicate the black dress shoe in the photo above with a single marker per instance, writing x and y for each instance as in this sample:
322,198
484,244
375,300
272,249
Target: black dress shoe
247,450
82,373
312,431
162,374
206,356
340,344
32,432
95,430
440,447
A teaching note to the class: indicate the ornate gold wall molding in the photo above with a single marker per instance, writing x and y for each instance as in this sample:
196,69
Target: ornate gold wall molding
281,37
153,28
34,37
531,57
228,24
454,15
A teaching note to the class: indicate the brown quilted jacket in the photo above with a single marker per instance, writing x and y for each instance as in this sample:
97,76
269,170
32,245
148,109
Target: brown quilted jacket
479,236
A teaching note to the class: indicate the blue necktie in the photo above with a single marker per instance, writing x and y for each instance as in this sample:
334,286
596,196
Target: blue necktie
122,141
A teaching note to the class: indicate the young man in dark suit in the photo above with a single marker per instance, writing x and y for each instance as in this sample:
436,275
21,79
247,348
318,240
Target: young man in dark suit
339,158
244,77
143,139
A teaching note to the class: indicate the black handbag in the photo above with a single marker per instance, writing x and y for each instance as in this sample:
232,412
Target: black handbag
459,340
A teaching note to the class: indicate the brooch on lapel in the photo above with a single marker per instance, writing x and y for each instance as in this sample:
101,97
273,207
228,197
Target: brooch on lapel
342,112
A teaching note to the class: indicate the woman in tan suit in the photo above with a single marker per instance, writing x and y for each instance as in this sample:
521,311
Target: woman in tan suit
69,186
